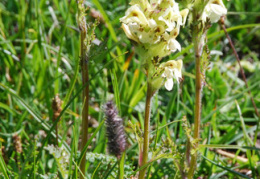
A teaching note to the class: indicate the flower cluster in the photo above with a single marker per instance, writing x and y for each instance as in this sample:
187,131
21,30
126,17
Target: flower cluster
214,10
154,26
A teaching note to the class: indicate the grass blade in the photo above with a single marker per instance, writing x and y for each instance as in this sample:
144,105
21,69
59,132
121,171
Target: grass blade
226,168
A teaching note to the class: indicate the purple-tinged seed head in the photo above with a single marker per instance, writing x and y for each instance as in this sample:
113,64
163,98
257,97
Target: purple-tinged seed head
115,130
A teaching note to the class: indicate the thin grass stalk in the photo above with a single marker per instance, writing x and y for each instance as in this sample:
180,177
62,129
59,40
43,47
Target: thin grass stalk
243,76
144,153
85,81
240,66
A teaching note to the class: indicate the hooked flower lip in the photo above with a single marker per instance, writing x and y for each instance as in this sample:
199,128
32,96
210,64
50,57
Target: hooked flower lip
129,33
168,74
174,45
172,69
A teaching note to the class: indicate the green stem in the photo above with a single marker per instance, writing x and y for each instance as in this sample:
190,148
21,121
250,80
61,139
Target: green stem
144,154
198,51
121,162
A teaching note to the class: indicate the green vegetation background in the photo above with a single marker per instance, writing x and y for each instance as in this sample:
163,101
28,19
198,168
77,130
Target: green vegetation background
39,57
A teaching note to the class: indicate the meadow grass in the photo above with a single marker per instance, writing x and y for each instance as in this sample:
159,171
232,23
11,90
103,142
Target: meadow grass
39,58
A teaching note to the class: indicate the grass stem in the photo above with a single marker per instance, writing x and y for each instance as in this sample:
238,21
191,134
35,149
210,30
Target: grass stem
85,81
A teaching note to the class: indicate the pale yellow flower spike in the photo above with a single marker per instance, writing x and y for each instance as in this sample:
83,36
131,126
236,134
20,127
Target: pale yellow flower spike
154,27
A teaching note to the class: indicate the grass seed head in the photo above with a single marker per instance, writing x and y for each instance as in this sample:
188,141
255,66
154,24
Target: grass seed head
115,130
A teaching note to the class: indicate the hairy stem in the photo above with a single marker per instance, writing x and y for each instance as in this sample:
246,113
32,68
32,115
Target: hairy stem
198,52
144,154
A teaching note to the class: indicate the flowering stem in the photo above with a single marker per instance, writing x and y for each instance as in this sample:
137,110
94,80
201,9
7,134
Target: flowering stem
198,46
144,154
85,79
